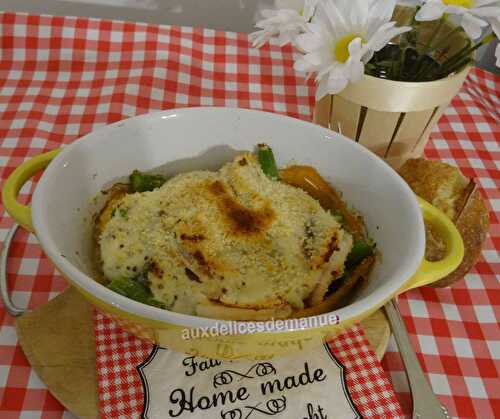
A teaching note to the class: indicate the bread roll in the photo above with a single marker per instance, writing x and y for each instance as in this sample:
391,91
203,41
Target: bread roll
448,189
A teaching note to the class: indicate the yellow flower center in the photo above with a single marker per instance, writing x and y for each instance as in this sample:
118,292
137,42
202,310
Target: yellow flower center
341,49
460,3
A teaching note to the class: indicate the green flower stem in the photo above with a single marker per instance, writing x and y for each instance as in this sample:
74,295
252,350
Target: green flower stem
413,19
428,47
402,56
470,49
420,76
404,42
393,68
414,22
457,66
458,55
488,38
431,39
396,75
442,53
447,35
462,57
411,36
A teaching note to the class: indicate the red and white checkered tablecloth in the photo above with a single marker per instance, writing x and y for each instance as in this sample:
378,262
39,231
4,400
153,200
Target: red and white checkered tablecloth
62,77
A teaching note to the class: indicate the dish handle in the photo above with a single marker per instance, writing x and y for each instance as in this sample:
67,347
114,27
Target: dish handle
428,271
22,213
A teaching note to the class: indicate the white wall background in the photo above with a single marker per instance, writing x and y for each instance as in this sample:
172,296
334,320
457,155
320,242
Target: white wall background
234,15
231,15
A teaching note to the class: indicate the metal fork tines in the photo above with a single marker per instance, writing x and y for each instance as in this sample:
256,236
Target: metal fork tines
425,403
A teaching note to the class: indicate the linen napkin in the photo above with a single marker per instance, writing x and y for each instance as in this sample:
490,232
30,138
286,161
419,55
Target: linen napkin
340,379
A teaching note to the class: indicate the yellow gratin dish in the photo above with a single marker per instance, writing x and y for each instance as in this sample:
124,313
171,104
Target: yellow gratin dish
181,140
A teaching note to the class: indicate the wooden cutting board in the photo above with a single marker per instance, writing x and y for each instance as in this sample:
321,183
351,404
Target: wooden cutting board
58,340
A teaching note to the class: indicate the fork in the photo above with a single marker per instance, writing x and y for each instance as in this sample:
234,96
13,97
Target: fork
425,403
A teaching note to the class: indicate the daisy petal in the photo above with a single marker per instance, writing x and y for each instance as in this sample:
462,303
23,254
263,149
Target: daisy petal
322,89
259,38
472,25
358,13
337,81
341,38
284,38
409,3
368,56
309,8
495,25
430,11
332,18
382,10
302,65
316,58
384,34
356,70
456,10
481,3
309,41
354,46
486,11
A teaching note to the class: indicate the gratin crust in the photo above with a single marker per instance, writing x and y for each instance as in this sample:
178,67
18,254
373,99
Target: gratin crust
232,238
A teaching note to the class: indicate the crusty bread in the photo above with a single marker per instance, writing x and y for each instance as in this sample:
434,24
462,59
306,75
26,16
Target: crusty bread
448,189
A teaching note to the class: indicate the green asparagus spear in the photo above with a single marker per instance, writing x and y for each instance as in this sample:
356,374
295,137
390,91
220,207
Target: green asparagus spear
267,162
142,182
134,290
359,251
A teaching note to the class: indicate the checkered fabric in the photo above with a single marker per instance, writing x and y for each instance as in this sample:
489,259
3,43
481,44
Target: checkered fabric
367,382
121,391
455,330
61,78
118,355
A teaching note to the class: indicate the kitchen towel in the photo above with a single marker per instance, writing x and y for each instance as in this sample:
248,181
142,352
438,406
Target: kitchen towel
340,379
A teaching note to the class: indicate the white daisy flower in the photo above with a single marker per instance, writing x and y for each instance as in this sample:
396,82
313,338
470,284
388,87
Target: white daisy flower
495,25
342,37
287,20
410,3
474,14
